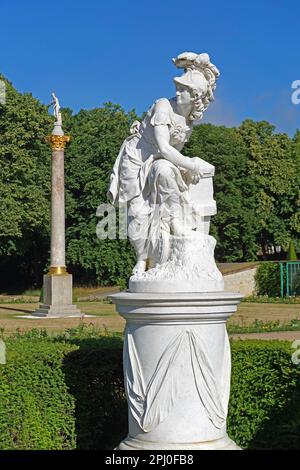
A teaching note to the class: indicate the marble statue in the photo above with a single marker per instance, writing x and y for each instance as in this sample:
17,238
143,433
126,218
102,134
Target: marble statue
169,195
56,110
176,350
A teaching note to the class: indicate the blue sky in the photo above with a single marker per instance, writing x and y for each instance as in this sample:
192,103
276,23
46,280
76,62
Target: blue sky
95,51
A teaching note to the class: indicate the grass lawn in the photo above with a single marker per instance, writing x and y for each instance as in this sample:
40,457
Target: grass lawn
79,293
107,318
247,313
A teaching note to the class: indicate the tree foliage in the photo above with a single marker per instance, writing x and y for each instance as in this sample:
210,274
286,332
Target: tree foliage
234,226
272,166
24,181
256,188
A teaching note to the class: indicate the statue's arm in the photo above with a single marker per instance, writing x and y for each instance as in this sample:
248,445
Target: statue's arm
162,137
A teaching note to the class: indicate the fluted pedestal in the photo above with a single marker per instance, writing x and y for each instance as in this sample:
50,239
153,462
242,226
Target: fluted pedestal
177,369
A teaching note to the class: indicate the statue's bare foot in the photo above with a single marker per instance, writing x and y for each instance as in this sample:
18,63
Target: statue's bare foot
140,267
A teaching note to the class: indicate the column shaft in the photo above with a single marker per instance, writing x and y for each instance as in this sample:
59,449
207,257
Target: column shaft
58,210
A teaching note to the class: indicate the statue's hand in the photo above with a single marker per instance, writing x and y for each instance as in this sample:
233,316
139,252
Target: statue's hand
190,177
196,179
198,167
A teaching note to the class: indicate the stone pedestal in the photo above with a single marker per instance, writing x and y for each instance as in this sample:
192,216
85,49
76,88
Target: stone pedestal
177,369
57,297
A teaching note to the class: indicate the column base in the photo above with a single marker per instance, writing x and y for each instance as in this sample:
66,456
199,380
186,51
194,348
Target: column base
57,311
220,444
57,298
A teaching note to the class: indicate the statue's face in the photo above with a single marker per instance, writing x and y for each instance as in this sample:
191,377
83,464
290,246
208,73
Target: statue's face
184,100
183,95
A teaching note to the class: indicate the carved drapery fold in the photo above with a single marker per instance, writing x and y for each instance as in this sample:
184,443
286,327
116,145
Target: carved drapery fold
151,404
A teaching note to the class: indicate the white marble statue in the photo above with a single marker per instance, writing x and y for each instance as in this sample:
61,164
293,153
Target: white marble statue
56,109
170,196
176,348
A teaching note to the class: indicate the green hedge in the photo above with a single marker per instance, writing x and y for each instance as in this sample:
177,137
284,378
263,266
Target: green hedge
267,279
264,411
36,409
67,392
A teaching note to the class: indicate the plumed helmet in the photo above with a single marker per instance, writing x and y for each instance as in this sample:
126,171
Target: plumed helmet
199,72
194,79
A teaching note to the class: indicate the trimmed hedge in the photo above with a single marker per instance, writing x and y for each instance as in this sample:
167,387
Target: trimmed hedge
264,411
36,408
67,392
267,279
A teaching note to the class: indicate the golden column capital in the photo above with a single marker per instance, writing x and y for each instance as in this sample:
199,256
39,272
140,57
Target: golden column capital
58,142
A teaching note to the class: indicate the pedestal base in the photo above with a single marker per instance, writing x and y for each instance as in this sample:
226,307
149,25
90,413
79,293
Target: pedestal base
220,444
58,311
57,297
177,368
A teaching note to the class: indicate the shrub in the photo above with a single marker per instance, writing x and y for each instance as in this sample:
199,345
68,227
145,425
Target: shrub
62,393
67,392
264,410
267,279
94,374
36,409
291,255
265,299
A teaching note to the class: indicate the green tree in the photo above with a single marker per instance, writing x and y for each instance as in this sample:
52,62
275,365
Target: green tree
294,200
24,183
234,226
272,168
